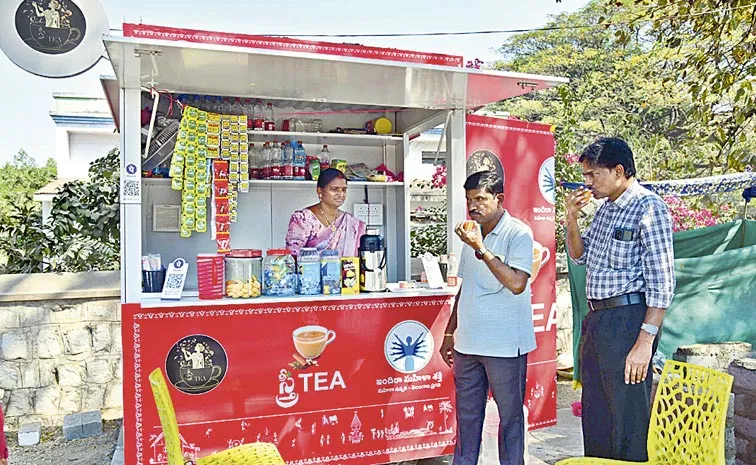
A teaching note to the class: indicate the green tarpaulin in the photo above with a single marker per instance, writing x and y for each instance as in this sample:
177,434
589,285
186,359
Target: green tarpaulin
715,297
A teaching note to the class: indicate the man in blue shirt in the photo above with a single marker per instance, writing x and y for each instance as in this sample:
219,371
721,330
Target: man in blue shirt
490,331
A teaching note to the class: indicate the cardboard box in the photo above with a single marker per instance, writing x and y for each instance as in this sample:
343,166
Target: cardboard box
350,275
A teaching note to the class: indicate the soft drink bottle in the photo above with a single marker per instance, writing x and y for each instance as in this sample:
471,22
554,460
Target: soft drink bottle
288,160
270,121
258,119
325,158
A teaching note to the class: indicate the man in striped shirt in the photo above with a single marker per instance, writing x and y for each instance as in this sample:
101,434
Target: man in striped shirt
630,282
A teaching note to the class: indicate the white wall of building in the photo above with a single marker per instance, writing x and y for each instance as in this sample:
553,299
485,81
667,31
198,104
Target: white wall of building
77,147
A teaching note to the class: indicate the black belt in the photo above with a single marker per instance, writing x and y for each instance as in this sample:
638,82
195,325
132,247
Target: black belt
619,301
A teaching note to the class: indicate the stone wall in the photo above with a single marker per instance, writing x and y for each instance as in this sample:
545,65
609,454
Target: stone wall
744,387
59,356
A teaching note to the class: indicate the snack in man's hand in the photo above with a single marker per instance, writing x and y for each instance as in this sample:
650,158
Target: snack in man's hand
469,225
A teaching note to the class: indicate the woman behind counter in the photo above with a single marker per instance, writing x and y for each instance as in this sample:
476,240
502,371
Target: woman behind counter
323,225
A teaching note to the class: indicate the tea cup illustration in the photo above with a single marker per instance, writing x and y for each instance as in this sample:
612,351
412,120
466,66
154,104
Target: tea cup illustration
200,377
311,341
541,255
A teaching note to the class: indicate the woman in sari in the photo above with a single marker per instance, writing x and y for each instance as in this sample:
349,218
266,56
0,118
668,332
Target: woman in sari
323,225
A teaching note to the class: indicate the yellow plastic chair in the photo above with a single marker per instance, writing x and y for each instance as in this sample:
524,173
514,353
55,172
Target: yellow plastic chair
257,453
687,419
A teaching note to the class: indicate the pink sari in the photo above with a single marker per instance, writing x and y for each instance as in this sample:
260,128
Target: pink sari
305,230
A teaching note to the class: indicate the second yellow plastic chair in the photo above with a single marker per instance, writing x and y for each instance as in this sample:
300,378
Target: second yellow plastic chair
256,453
687,419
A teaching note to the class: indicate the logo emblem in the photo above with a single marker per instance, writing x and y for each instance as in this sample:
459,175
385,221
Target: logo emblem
547,180
196,364
51,27
409,346
53,38
484,160
131,168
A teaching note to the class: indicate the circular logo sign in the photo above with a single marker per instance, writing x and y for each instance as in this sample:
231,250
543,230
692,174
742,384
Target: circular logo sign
196,364
409,346
547,180
53,27
484,160
53,38
131,168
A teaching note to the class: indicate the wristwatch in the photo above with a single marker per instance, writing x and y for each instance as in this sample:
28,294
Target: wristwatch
650,329
480,253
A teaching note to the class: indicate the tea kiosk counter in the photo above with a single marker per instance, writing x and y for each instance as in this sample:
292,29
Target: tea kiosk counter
350,379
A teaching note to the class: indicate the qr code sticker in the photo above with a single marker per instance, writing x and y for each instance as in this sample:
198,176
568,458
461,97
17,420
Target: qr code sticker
173,281
131,188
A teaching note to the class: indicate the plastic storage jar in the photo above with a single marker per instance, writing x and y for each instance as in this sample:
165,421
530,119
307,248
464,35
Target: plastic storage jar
244,273
308,263
279,273
330,272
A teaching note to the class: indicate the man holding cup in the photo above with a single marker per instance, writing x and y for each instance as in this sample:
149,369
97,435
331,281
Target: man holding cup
490,331
630,282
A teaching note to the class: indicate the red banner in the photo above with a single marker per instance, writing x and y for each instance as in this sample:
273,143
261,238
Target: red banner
355,381
523,153
146,31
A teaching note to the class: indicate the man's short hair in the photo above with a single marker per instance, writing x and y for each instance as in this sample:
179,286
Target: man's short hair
609,152
488,180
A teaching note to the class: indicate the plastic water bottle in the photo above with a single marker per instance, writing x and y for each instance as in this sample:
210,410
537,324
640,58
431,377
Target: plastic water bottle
451,274
288,160
238,108
266,161
270,120
276,158
254,162
300,161
258,119
249,109
208,103
325,158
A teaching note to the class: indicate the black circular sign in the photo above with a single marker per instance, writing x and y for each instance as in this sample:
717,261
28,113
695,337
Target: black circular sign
52,27
484,160
196,364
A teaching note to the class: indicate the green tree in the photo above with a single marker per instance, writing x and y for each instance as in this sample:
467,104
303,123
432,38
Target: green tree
19,180
708,47
85,220
620,85
82,233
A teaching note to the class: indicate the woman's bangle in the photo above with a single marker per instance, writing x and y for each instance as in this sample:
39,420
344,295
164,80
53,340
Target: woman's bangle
449,335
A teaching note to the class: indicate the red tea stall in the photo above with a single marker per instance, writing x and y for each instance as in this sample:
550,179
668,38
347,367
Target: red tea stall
231,365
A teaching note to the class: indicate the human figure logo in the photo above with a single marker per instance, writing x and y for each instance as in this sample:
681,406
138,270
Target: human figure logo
547,180
409,346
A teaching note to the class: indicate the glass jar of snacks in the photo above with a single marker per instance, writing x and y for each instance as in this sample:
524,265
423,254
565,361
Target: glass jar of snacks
279,273
243,273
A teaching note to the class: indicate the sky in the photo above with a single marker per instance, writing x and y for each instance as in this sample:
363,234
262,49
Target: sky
26,100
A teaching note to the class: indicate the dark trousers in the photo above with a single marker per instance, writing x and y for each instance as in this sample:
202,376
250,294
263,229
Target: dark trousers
473,376
615,415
